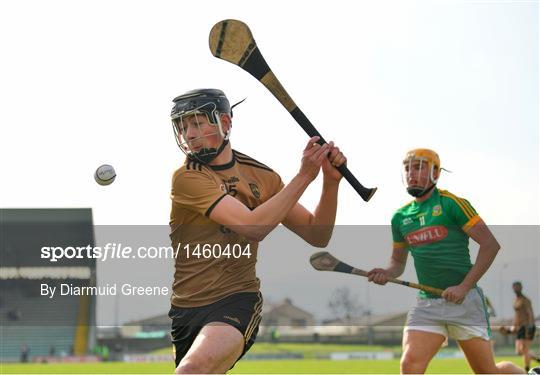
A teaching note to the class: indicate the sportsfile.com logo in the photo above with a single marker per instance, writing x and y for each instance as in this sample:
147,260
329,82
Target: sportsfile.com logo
119,251
427,235
109,251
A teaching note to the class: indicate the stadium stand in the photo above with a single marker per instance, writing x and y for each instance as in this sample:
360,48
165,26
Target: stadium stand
61,326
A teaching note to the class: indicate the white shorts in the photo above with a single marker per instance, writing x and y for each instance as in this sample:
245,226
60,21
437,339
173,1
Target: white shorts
461,322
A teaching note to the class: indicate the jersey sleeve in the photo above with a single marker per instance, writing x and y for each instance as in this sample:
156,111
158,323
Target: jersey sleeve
398,241
462,212
271,184
197,191
278,184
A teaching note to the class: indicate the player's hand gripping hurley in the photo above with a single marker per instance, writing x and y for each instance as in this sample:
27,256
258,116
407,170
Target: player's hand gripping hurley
231,40
324,261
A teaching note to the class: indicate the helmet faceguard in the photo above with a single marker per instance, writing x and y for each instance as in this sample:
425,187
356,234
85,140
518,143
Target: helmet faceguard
187,110
415,164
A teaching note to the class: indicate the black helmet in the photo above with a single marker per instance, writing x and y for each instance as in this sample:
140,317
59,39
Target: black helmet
211,102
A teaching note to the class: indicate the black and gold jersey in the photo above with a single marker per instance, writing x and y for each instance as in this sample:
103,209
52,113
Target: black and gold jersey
212,261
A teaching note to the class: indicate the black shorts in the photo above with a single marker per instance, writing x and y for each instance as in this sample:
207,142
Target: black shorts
526,332
240,310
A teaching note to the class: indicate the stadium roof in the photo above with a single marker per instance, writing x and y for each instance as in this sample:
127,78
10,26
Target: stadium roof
25,232
45,215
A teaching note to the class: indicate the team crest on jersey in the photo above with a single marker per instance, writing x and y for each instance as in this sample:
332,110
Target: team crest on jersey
437,210
427,235
407,221
255,190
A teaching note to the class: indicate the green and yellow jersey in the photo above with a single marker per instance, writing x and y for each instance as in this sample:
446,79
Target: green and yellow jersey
435,233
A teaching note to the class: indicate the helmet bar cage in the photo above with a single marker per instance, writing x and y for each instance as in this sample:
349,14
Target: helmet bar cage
408,163
180,126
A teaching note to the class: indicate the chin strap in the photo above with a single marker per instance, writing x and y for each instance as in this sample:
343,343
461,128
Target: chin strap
417,192
206,155
221,148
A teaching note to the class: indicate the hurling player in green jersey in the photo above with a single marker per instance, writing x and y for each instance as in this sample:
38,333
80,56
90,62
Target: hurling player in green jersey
435,228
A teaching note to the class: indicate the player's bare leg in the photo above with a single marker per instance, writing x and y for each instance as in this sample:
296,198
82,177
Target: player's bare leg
522,349
419,347
214,351
519,347
480,357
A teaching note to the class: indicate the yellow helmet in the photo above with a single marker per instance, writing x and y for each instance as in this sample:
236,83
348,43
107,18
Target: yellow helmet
424,154
425,157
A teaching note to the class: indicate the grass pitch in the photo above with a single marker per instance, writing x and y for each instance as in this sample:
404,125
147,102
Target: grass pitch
309,366
309,350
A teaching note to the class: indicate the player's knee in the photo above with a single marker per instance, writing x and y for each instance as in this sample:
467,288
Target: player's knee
486,368
190,368
504,367
193,365
411,363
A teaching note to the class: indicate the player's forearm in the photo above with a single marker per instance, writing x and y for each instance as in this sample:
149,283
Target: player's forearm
486,256
395,268
268,215
324,217
515,325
